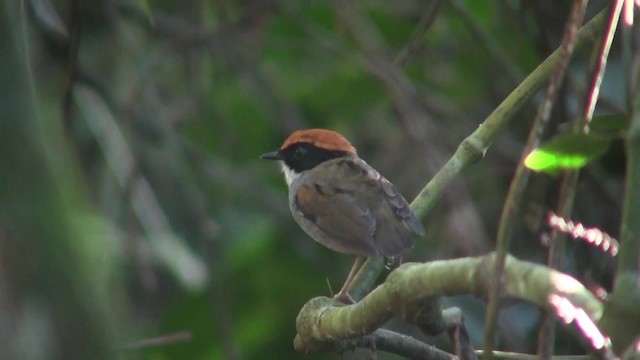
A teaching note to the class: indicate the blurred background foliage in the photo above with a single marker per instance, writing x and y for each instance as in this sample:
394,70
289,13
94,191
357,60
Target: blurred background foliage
134,204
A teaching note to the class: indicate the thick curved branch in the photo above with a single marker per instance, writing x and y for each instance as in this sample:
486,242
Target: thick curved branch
414,287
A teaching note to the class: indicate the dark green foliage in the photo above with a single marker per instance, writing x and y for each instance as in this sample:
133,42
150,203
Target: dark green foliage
195,91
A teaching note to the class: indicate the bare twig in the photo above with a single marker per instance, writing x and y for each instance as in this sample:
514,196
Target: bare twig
403,345
601,63
546,332
569,183
520,179
461,342
416,40
629,259
623,303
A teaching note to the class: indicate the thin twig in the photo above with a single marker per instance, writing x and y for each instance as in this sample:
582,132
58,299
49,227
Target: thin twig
557,243
603,54
416,40
629,257
546,329
546,335
403,345
521,177
626,288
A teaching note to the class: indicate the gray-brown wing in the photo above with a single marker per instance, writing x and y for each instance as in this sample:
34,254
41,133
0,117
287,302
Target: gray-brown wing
400,206
336,220
394,220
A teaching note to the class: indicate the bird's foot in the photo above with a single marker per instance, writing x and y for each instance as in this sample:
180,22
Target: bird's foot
344,298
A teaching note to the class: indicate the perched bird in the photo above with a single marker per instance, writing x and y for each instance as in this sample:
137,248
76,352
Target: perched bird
341,201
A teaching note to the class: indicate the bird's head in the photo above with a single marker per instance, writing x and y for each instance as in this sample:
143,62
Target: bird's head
305,149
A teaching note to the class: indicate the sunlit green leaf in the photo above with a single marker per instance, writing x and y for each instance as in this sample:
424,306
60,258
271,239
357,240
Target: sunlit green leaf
566,152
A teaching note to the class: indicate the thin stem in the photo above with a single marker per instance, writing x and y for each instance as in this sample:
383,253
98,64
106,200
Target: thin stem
546,332
402,345
603,54
626,291
564,209
417,37
629,255
521,177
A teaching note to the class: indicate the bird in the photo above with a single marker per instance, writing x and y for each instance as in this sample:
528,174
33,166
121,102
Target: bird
342,202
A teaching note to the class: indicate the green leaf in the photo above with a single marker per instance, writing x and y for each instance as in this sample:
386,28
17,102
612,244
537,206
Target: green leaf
613,123
566,152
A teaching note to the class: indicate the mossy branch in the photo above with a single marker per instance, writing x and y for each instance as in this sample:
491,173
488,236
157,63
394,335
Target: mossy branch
414,287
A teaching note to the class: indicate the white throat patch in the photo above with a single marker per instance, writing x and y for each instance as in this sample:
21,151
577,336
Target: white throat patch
289,175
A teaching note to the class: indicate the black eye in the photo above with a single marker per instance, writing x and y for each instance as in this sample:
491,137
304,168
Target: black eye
299,153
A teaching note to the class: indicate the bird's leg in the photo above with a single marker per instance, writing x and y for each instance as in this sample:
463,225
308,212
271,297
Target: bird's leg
343,294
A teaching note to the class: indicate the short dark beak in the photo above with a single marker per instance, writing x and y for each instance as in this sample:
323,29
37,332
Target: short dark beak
274,155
